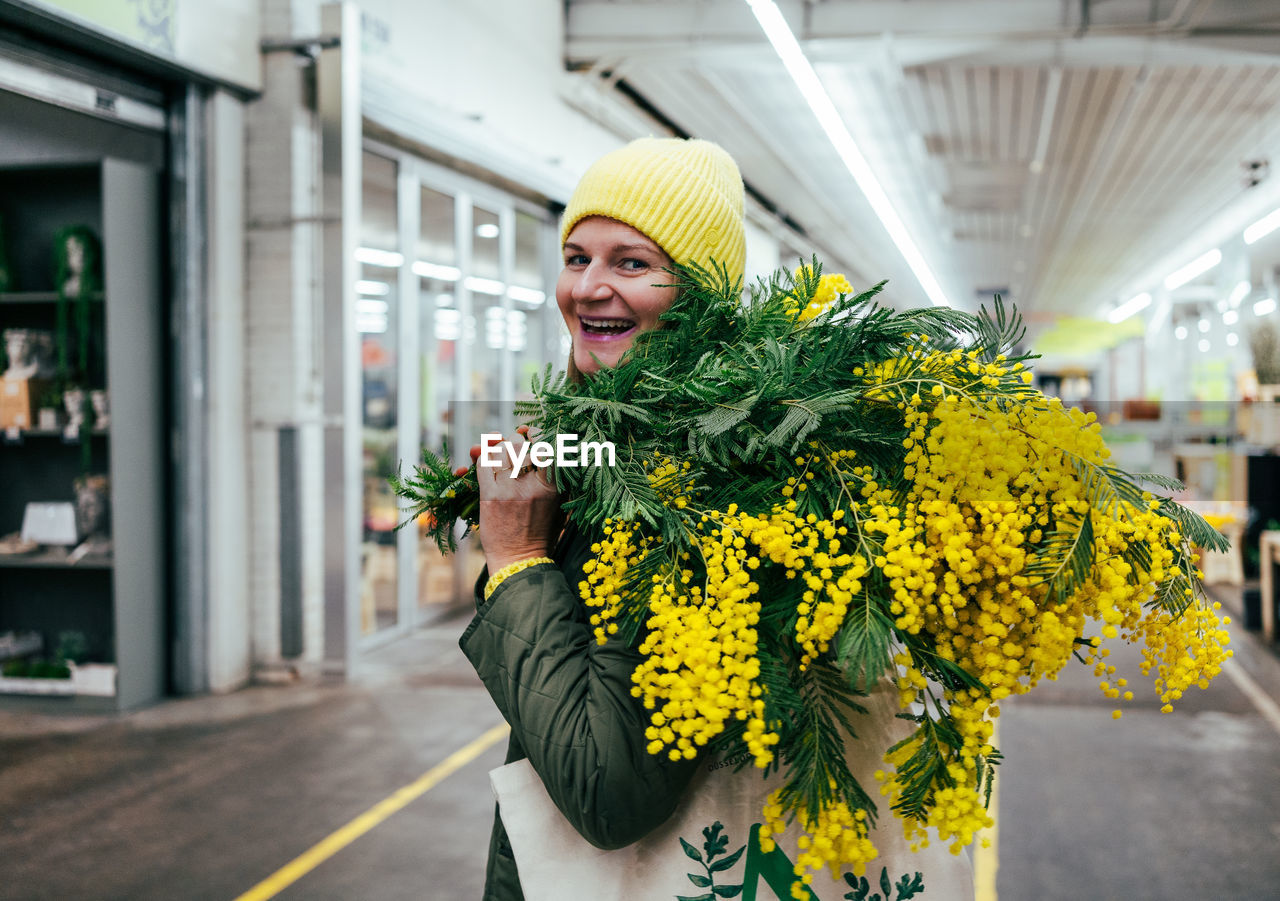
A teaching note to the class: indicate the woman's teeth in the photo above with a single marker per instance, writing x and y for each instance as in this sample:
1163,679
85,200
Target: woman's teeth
606,326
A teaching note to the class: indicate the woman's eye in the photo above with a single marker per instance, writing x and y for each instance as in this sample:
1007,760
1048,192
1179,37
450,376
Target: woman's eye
634,265
576,259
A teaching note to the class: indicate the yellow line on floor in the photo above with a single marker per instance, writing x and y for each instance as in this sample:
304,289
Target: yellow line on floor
986,860
1253,691
331,845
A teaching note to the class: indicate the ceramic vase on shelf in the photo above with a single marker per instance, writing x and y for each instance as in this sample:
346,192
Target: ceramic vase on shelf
93,498
73,400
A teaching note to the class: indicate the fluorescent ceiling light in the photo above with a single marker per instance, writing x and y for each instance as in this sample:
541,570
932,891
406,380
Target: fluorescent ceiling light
375,288
1204,345
1233,339
386,258
484,285
528,295
435,270
1180,333
1263,227
371,324
486,230
1239,293
1203,325
447,325
1198,266
367,305
806,79
1230,317
444,300
1130,307
1264,306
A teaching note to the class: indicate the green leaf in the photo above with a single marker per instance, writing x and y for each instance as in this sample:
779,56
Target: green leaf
690,851
707,897
863,651
728,891
725,863
1194,527
1065,560
885,885
699,880
910,886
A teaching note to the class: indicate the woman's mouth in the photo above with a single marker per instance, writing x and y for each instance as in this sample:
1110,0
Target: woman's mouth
605,329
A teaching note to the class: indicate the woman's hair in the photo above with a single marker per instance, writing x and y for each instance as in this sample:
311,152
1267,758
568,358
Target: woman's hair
686,195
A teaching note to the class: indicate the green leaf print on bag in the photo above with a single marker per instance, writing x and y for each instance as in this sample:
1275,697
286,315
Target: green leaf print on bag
907,887
714,844
774,868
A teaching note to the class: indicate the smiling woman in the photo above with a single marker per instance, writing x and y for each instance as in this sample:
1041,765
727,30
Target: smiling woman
636,213
610,290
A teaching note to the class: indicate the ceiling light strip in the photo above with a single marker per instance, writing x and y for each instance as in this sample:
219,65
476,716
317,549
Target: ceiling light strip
1130,307
1263,227
802,73
1199,266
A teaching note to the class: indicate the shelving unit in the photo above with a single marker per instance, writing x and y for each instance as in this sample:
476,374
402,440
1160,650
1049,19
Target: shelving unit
24,297
115,601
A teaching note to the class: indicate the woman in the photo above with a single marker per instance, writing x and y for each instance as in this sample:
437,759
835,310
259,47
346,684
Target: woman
635,214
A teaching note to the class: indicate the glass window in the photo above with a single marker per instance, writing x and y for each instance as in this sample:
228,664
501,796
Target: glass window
531,329
377,314
438,275
489,321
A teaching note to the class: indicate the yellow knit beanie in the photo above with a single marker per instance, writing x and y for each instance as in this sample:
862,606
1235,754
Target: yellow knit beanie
686,195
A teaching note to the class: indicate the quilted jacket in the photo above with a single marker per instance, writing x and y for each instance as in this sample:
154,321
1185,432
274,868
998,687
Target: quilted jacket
571,710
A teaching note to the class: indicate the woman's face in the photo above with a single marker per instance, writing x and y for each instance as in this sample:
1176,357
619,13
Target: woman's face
609,291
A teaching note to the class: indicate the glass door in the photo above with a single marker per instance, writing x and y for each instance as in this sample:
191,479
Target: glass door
455,317
377,317
441,331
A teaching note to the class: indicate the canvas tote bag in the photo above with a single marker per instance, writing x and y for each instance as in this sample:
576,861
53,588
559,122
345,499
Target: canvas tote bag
708,849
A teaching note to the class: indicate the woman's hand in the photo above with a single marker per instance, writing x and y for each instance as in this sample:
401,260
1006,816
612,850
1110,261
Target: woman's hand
520,516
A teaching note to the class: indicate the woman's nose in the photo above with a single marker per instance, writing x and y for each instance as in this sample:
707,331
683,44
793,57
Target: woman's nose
592,283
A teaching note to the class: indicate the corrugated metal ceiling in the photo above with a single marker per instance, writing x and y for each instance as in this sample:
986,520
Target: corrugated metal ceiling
1057,177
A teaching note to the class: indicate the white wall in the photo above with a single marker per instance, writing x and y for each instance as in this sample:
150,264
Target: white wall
492,72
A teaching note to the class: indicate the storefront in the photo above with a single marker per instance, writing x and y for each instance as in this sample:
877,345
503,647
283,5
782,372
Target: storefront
114,238
352,259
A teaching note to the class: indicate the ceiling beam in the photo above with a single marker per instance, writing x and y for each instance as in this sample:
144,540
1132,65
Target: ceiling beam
724,31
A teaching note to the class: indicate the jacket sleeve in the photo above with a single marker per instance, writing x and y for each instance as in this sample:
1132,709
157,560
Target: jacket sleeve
569,704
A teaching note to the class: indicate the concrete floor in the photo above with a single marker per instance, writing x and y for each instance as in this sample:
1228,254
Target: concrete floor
203,798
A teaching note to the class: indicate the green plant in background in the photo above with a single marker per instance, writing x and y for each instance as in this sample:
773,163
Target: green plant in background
77,277
72,647
35,669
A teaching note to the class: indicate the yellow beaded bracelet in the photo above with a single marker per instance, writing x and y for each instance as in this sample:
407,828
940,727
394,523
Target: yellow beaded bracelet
510,570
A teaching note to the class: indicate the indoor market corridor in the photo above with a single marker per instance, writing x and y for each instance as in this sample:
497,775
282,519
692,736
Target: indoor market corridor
211,798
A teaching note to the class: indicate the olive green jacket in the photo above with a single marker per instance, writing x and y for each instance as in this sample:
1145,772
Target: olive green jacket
571,711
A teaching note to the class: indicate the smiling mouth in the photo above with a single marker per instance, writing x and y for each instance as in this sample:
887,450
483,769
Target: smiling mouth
606,328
